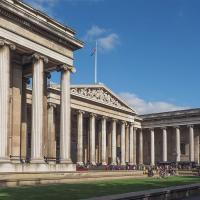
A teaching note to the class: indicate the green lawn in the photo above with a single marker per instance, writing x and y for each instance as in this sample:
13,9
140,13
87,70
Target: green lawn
90,189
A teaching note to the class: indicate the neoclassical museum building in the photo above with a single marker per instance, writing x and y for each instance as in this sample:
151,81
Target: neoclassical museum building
51,127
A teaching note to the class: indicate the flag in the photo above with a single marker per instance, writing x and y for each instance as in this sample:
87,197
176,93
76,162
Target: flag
93,52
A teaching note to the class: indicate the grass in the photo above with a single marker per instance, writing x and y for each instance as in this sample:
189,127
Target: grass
91,189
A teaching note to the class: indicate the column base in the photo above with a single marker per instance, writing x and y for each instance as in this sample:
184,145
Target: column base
104,163
4,159
37,161
33,167
93,163
80,163
123,164
131,163
64,161
114,163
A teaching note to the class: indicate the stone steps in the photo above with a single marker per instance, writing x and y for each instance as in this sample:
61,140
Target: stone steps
20,179
188,173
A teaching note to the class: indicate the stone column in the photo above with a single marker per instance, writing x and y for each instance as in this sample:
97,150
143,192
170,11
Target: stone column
178,144
114,142
92,139
47,75
37,108
164,136
196,149
24,136
103,140
51,131
80,137
134,145
127,144
152,147
123,143
131,145
4,96
191,140
65,116
140,147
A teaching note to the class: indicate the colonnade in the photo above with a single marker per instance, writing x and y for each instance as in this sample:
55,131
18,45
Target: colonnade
127,140
38,64
177,144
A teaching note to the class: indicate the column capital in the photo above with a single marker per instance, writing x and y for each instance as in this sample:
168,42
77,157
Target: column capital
135,128
151,129
123,122
92,114
164,128
65,67
104,117
50,105
7,43
190,126
114,120
36,56
127,125
80,112
176,127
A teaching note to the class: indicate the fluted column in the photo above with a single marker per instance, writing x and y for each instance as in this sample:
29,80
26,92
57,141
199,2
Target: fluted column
140,147
134,145
178,144
152,147
37,108
24,136
164,136
127,144
103,140
131,145
65,115
191,140
123,143
80,137
92,139
51,131
114,142
4,96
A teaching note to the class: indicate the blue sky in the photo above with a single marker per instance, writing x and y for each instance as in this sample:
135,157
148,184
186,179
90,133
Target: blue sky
149,50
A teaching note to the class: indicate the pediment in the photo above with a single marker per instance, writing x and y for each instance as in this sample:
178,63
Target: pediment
100,94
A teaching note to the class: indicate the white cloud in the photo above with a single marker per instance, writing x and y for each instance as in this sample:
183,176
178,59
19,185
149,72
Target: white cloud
94,32
142,106
106,40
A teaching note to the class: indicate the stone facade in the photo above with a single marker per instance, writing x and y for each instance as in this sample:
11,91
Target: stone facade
50,127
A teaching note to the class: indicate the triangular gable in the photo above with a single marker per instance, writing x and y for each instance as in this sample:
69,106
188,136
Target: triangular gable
100,94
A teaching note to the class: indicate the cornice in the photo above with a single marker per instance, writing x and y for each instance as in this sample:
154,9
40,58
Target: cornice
29,22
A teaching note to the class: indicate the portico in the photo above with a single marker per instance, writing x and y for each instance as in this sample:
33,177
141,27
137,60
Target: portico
31,46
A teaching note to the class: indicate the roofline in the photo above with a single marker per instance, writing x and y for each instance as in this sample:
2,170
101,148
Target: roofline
165,114
45,15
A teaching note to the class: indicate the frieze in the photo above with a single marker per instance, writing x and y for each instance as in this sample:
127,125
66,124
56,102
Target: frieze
97,94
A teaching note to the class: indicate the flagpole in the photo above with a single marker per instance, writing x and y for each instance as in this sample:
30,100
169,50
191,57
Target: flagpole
95,65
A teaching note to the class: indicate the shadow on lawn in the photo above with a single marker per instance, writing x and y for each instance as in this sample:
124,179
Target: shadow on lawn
90,189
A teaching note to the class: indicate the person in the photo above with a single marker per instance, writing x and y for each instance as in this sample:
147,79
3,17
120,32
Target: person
150,172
